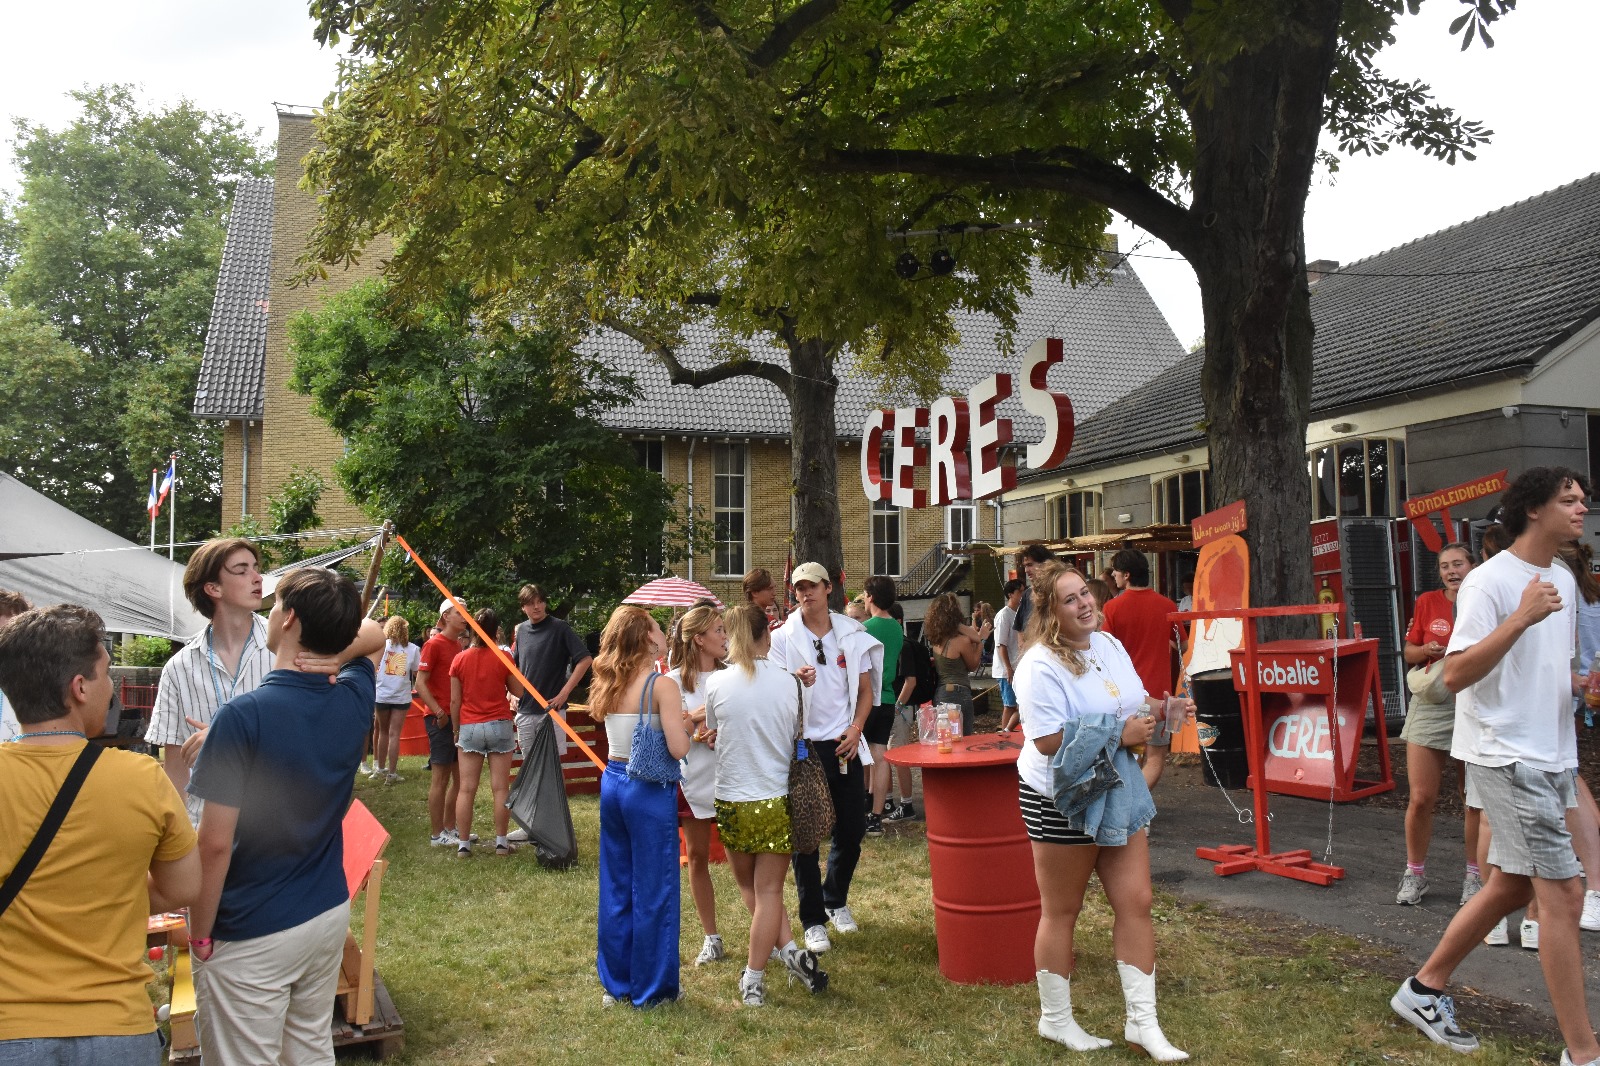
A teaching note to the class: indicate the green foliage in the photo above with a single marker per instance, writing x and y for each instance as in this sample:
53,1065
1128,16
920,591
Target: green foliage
485,448
115,241
145,651
293,509
250,528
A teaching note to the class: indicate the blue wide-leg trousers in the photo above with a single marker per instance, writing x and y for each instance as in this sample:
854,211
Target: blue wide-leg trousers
639,888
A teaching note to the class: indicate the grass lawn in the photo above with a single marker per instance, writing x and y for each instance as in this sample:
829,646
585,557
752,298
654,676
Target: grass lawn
492,961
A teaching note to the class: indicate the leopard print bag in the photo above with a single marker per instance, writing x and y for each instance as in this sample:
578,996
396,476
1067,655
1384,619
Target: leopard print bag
810,803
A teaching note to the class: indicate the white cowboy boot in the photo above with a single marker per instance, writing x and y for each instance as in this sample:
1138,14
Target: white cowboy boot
1055,1015
1143,1033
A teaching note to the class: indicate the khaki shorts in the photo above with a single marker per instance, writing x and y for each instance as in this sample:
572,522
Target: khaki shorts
1429,725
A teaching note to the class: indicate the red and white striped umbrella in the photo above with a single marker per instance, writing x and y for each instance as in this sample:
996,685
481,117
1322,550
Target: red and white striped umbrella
670,592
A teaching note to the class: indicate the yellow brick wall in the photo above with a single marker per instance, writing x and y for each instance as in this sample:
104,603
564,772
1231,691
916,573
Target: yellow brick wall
293,436
233,472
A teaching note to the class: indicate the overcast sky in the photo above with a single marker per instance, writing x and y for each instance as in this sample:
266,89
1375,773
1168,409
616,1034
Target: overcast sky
1531,90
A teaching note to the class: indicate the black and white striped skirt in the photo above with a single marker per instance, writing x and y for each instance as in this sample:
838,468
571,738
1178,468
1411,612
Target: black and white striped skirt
1045,823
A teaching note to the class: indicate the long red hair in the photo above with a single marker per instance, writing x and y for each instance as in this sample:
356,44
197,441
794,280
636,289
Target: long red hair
625,653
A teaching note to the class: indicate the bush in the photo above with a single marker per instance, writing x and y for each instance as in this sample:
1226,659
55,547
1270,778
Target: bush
145,651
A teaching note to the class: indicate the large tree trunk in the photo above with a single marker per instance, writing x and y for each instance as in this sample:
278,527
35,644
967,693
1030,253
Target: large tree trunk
814,460
1257,140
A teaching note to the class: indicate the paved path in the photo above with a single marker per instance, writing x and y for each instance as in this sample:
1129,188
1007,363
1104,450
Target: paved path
1369,843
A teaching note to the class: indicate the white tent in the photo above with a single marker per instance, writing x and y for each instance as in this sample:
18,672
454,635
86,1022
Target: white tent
51,555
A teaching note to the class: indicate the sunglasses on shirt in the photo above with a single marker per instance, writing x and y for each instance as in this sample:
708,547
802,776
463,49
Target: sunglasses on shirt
822,660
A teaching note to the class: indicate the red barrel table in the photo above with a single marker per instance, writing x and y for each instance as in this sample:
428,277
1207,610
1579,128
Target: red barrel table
985,898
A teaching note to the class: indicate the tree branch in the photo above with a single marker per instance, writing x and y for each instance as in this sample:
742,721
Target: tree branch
784,35
1064,169
679,374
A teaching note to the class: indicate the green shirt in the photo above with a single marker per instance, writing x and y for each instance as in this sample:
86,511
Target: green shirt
888,632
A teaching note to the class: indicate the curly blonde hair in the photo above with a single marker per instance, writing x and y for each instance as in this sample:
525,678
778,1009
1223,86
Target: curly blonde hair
943,620
681,652
396,630
625,653
1043,625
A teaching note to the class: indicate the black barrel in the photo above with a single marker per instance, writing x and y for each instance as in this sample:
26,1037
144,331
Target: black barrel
1221,726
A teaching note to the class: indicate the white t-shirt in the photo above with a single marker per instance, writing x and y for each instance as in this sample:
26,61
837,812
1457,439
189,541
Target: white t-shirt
755,721
700,765
1521,711
1048,697
397,671
1005,633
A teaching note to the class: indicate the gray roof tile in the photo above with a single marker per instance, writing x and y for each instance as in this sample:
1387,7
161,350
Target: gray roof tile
1429,314
230,384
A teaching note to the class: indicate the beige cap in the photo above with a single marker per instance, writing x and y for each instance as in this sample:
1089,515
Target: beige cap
812,572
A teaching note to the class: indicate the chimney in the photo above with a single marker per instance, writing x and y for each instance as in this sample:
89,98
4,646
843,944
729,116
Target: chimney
1108,242
1318,269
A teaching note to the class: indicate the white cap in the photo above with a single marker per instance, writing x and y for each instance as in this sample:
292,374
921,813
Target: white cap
812,572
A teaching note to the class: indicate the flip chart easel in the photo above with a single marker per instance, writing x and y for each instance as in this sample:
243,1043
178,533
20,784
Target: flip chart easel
1230,859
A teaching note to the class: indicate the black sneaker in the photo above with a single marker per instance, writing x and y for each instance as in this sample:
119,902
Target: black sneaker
874,825
899,812
802,965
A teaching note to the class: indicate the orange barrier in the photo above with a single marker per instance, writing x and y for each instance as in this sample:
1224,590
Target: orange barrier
413,733
489,643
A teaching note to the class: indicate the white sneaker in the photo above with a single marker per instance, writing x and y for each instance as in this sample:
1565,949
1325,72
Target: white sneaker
752,989
444,838
518,835
1530,935
1591,912
1471,885
1499,936
710,951
817,939
842,920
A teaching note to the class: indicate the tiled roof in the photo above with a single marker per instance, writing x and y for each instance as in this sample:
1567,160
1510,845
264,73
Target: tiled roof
1426,315
1115,338
230,384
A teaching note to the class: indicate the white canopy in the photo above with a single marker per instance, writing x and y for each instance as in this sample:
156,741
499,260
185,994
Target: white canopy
52,555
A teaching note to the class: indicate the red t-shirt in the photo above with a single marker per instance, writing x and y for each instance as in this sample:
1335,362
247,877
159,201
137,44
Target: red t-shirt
1138,618
437,655
483,686
1435,617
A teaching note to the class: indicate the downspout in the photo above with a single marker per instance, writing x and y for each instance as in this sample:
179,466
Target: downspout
244,476
999,520
692,442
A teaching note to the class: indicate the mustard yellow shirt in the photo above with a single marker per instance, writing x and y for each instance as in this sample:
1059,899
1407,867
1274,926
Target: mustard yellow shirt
73,940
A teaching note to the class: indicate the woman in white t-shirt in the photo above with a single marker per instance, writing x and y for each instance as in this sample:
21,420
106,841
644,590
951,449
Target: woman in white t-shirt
397,674
754,708
698,646
1070,671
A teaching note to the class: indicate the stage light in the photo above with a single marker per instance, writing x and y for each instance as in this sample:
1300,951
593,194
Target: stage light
943,262
908,265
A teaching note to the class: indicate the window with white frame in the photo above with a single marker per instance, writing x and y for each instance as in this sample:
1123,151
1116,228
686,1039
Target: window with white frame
1361,477
887,542
650,561
730,510
960,524
1075,514
1181,498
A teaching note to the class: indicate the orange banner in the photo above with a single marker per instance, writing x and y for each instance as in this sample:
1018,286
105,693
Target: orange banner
1466,492
1222,522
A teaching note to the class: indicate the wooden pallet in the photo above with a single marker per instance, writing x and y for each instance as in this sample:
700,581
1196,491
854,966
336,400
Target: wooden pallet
386,1031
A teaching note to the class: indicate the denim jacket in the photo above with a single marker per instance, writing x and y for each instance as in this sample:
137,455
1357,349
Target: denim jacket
1096,783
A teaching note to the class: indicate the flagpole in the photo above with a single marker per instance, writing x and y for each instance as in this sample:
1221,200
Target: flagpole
152,510
172,512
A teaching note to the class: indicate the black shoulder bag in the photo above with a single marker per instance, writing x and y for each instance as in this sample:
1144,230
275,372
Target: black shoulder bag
50,826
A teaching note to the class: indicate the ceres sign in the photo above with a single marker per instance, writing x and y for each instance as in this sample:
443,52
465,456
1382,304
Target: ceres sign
965,438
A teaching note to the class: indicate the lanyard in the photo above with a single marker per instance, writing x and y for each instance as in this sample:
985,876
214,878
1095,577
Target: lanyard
216,667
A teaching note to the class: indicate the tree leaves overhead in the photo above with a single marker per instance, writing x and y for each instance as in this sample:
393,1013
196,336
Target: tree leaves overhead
115,242
484,446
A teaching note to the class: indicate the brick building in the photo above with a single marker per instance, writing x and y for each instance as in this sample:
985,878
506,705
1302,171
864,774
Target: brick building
726,444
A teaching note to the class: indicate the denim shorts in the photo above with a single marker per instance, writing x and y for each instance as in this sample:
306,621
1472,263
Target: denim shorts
1008,695
488,738
142,1050
1527,811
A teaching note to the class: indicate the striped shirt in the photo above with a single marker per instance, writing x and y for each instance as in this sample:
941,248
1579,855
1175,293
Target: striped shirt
194,683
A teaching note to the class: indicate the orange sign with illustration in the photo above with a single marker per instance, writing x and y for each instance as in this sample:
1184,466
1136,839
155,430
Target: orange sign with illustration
1421,509
1221,583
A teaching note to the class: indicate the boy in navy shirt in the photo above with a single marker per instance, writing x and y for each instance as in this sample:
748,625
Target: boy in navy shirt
268,929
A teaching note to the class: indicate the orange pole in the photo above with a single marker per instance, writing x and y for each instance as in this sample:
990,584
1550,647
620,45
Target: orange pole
488,642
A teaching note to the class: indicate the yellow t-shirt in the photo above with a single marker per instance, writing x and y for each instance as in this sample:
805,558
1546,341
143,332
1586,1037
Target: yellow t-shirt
73,940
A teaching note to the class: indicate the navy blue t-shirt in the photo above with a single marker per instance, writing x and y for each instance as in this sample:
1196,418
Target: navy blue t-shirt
286,755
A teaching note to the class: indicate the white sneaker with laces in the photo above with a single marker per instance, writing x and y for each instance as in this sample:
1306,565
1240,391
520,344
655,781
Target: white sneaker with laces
1591,912
1434,1017
817,939
1530,935
752,988
710,951
1412,888
518,835
1471,885
843,921
1499,936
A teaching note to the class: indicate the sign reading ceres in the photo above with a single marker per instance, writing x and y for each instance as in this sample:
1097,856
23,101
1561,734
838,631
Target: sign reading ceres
965,437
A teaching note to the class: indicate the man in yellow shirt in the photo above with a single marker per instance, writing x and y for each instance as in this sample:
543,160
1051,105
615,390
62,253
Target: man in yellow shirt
72,937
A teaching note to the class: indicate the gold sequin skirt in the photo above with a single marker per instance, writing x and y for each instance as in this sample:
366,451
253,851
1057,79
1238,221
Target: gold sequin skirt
755,827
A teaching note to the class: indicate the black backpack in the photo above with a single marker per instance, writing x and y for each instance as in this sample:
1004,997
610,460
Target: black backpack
916,661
